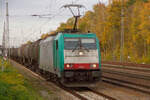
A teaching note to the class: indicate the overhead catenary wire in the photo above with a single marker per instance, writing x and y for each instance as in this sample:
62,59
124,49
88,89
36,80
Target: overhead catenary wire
53,15
54,5
32,25
51,18
43,24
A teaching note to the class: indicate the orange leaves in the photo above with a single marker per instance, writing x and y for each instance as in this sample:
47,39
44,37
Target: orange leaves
148,39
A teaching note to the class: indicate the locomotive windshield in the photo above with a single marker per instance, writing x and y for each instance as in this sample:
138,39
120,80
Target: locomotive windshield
73,43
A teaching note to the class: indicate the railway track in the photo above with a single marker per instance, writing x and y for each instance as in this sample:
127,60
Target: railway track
136,78
83,93
80,93
102,94
126,64
91,94
126,84
140,69
87,93
127,74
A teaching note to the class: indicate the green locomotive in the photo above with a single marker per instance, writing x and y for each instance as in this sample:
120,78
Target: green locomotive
73,58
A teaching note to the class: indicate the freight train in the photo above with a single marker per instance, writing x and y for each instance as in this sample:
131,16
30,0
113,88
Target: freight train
72,59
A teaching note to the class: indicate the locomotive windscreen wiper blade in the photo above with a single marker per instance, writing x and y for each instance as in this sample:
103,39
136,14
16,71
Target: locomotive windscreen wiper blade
78,45
85,48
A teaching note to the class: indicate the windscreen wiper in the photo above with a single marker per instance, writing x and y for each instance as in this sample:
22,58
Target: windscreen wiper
78,45
85,48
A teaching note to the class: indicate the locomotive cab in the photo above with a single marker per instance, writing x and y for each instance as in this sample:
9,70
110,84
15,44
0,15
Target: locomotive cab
79,59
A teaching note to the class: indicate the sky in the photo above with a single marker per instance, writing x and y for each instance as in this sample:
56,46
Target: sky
24,27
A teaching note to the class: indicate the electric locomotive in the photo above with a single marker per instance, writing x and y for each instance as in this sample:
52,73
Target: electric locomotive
69,57
73,58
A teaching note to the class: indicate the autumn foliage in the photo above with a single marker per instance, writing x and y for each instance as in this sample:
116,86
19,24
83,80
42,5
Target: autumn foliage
105,21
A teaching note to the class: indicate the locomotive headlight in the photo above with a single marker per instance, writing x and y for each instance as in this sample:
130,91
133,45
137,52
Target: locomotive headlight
93,65
80,53
67,65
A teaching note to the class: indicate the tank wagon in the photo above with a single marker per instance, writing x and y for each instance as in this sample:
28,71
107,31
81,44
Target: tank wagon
73,59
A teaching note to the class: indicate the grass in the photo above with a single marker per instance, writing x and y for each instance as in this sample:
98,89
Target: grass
13,86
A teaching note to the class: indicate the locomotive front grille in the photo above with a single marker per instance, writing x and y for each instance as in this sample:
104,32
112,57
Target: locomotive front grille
82,75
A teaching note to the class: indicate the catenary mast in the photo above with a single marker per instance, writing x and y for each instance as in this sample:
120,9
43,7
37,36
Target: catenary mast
7,30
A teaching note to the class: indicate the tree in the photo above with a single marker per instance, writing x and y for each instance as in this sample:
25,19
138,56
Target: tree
145,28
43,36
105,20
111,36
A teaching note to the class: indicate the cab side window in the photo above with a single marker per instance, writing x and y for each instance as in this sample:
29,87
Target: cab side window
56,44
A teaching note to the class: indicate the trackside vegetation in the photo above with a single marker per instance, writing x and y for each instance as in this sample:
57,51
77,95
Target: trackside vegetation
13,86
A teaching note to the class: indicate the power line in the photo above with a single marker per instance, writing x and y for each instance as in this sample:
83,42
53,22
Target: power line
56,3
43,24
52,16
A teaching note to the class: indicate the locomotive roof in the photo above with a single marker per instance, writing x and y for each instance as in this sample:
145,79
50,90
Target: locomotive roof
88,35
75,35
50,38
